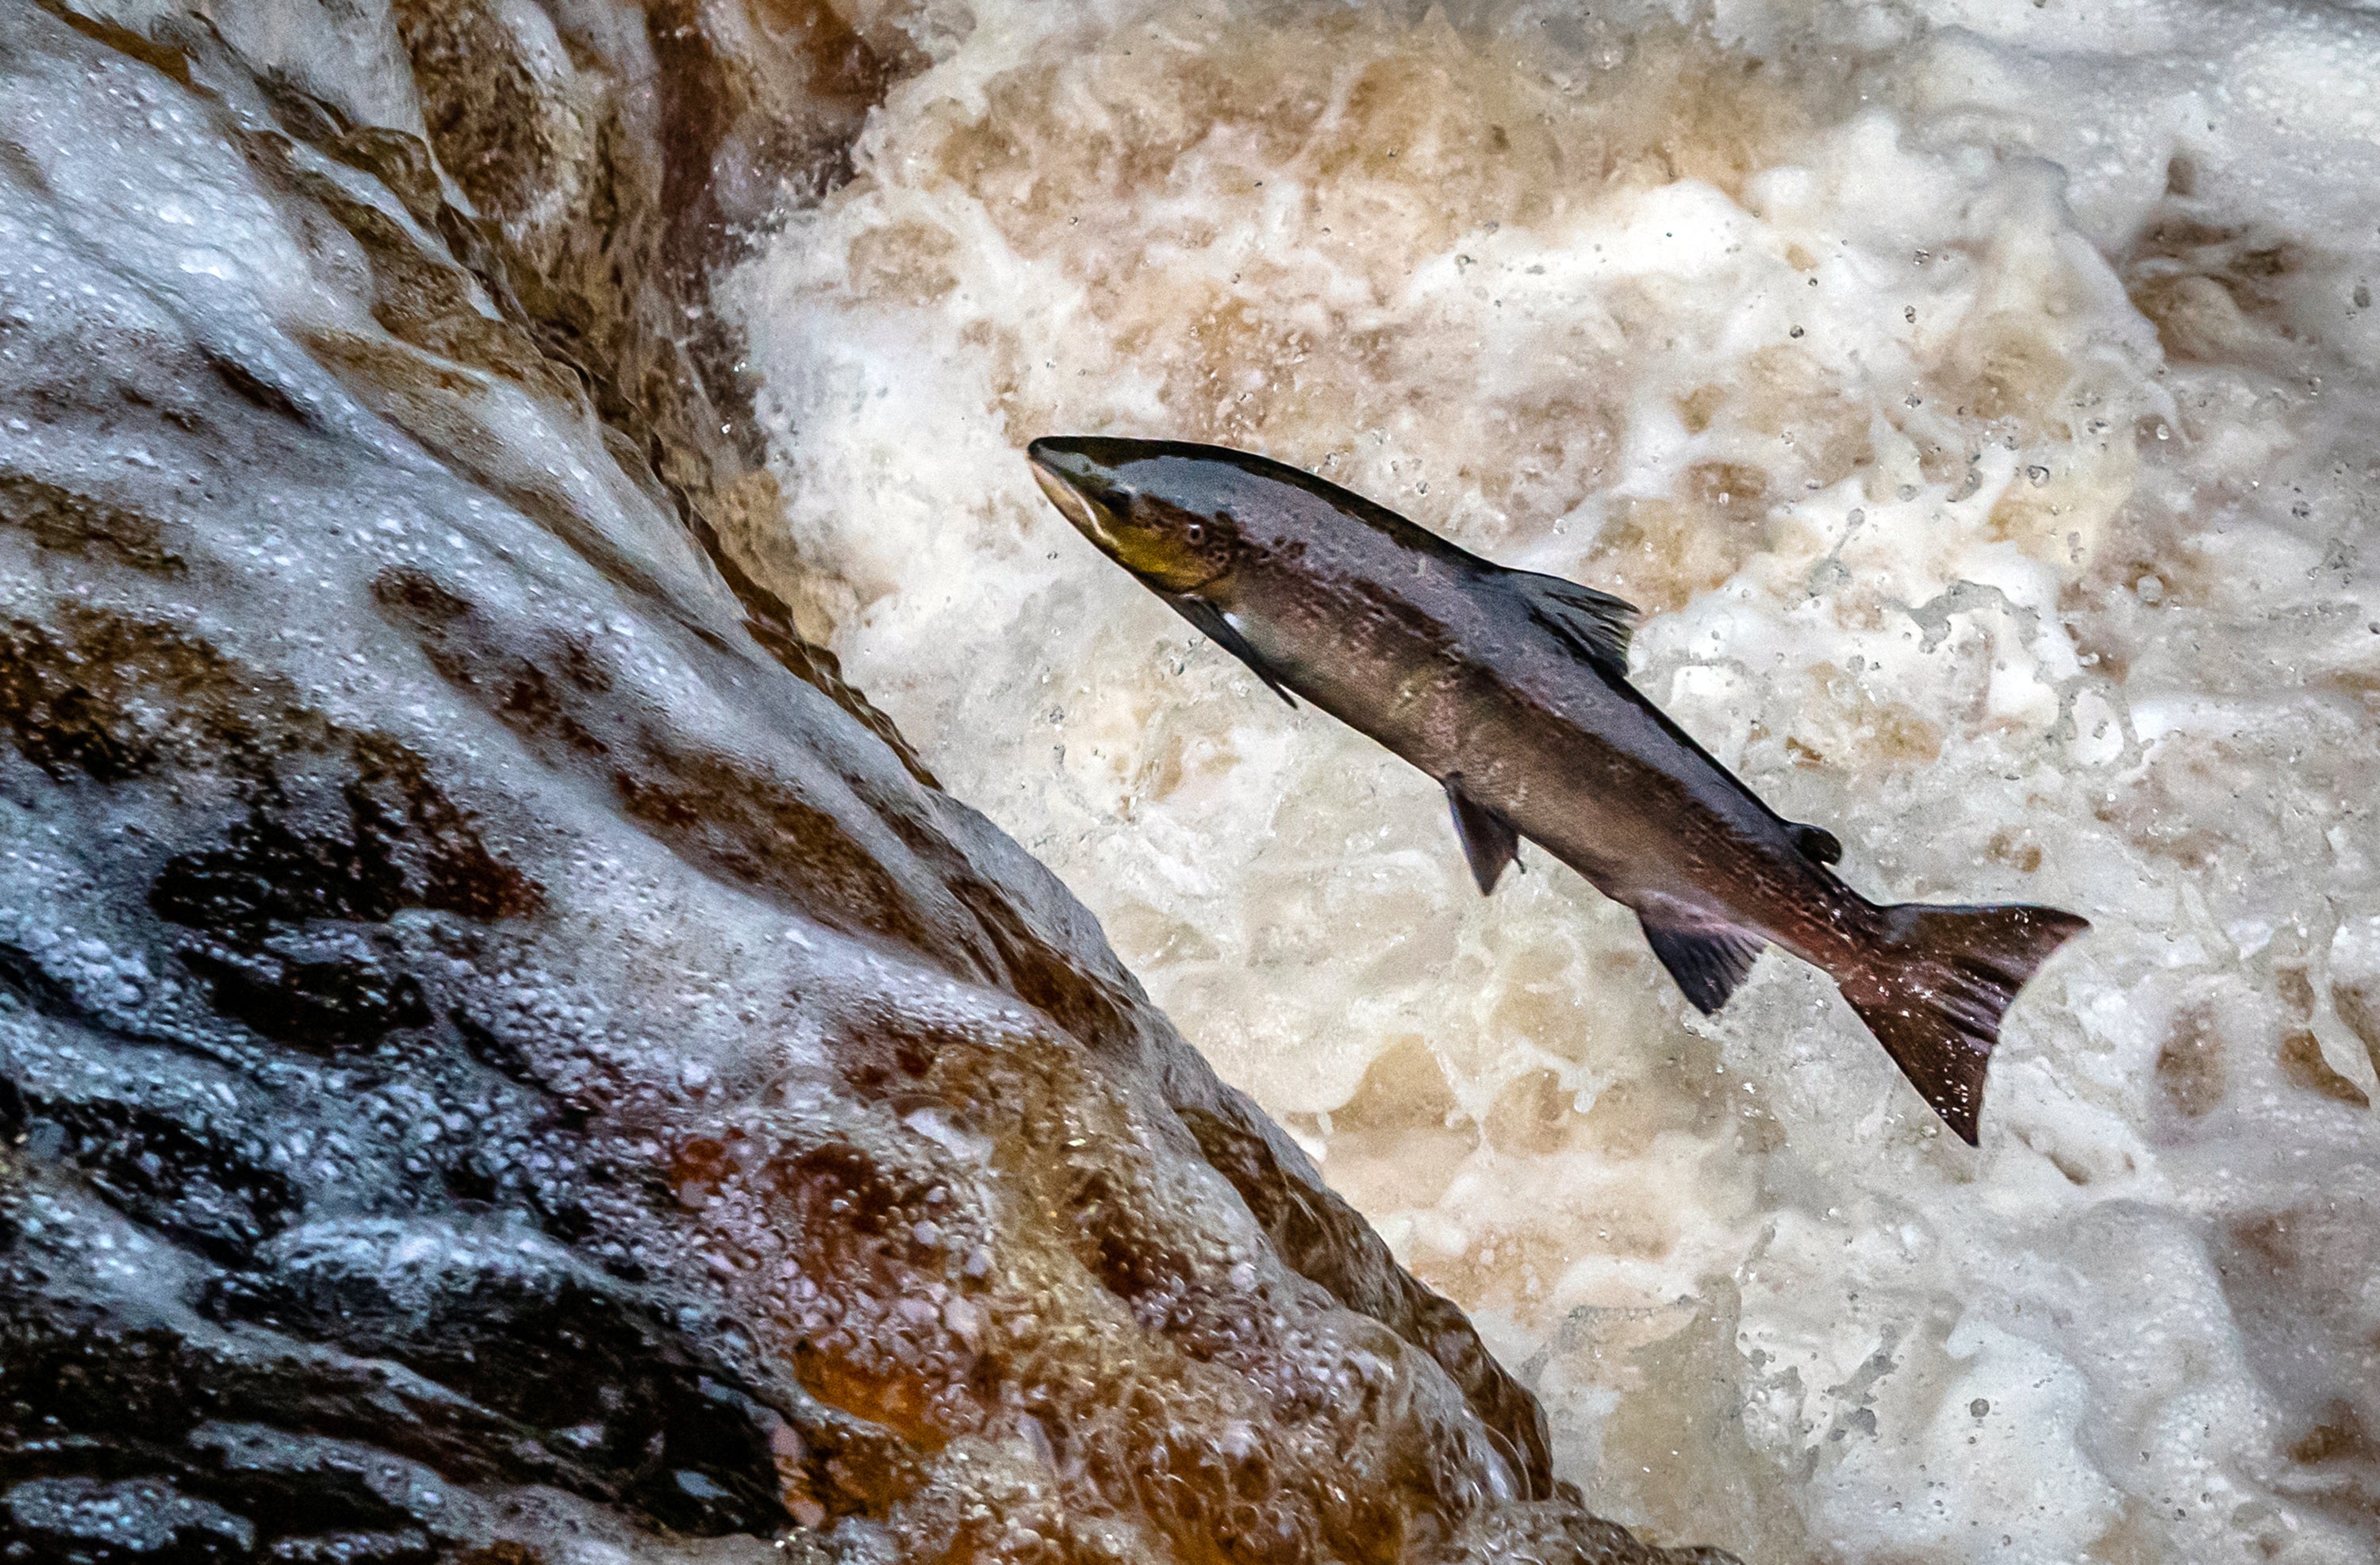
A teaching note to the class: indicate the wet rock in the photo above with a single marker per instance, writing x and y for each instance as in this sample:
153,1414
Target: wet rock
504,1055
140,1519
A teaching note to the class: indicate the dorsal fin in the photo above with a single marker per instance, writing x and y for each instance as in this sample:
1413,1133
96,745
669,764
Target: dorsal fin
1596,625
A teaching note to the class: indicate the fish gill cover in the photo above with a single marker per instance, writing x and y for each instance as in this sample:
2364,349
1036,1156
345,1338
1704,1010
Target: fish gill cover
1981,398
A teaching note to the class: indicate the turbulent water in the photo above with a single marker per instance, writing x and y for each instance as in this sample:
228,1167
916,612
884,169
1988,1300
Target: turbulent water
1980,399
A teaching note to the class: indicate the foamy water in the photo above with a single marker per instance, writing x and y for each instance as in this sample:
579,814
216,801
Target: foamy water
1980,399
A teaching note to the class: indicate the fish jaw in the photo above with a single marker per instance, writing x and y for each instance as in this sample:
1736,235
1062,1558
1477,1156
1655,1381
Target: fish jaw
1053,470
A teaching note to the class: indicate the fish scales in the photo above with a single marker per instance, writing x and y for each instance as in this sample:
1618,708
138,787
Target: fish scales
1510,689
1444,669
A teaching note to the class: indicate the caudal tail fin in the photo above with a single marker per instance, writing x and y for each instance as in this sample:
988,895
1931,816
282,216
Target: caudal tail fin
1934,990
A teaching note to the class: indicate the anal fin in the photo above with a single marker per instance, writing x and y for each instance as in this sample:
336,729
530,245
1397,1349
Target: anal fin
1489,839
1708,960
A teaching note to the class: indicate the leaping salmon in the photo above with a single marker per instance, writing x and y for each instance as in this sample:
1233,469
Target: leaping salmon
1510,689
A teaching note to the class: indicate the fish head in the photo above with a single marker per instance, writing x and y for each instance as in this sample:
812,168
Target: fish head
1145,504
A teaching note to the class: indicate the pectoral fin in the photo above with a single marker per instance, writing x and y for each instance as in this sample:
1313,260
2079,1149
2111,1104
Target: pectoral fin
1489,839
1707,960
1595,625
1211,624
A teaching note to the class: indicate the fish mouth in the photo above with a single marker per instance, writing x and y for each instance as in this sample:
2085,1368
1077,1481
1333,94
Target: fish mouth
1071,502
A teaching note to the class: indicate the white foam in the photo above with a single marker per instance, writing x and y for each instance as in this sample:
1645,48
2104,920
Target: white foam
1836,365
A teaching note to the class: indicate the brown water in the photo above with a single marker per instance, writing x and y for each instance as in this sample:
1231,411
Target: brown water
1981,400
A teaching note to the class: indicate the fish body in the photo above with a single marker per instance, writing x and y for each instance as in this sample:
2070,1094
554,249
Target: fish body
1510,689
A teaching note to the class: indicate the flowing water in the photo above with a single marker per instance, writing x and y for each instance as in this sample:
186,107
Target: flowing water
1982,399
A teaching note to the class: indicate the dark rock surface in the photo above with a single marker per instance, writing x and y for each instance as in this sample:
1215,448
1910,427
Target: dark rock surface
502,1055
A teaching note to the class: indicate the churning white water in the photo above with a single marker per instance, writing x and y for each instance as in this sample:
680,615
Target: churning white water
1982,398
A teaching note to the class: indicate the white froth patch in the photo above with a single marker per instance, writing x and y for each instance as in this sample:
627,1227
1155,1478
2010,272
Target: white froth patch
1979,402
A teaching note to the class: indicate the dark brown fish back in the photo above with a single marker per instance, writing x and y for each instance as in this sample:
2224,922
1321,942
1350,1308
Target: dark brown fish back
1934,991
